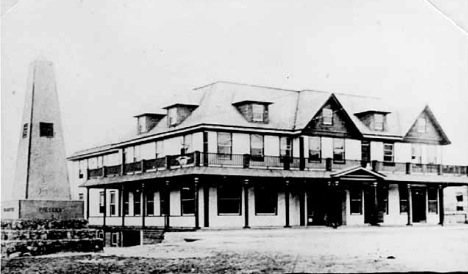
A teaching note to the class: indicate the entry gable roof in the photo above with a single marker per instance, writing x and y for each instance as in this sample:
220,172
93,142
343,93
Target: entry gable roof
357,172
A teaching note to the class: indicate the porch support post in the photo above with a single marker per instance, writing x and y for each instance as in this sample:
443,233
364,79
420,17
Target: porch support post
105,208
246,203
87,203
143,205
167,194
301,154
441,205
197,221
206,203
374,219
302,204
286,201
410,206
122,205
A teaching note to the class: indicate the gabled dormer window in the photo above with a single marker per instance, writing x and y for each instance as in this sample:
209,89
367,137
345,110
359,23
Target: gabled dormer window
422,125
258,113
172,116
147,121
327,115
379,122
142,128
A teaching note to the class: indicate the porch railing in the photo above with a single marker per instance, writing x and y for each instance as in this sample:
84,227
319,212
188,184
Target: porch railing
197,159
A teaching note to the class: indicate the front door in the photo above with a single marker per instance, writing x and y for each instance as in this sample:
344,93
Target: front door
418,196
316,205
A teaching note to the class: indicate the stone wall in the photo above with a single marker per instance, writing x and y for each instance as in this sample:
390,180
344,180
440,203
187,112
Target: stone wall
38,237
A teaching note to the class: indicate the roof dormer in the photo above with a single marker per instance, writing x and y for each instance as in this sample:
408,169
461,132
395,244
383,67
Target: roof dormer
253,111
375,120
147,121
177,113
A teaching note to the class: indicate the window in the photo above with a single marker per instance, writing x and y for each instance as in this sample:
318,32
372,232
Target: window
186,144
142,124
327,115
187,197
266,199
256,147
459,198
101,202
378,122
114,239
136,203
112,203
126,203
388,153
403,191
416,155
285,148
258,113
25,130
150,203
431,154
46,130
224,144
172,116
422,125
315,152
432,200
355,200
365,151
229,198
81,196
338,151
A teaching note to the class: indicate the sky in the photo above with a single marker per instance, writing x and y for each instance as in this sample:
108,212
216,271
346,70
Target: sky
115,58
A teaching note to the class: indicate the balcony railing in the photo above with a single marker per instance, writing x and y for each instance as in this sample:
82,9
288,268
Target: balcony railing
267,162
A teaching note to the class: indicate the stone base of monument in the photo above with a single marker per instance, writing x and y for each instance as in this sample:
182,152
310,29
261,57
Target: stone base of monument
42,209
45,236
36,227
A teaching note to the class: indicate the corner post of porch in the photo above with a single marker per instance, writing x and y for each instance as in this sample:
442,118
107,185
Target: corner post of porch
375,201
122,205
410,206
197,221
286,202
104,215
143,205
246,202
441,205
87,203
302,203
206,203
167,194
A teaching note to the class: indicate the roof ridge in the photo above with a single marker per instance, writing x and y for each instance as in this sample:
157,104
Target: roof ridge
249,85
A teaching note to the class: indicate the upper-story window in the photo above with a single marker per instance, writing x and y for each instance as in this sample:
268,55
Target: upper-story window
422,125
142,128
379,121
258,113
224,144
314,149
25,130
338,150
186,144
388,153
327,115
172,116
46,130
256,146
285,147
416,155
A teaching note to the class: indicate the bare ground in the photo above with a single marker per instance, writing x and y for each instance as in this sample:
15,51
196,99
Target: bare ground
365,249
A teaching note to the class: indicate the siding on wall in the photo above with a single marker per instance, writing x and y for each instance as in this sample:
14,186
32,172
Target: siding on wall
148,150
327,147
172,146
296,147
240,143
402,152
352,149
376,151
271,145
